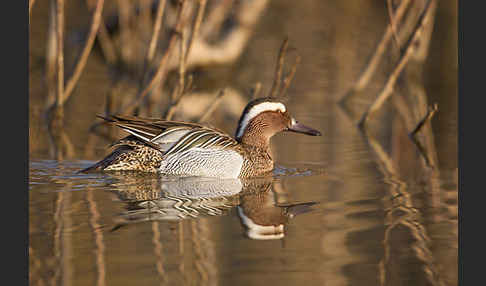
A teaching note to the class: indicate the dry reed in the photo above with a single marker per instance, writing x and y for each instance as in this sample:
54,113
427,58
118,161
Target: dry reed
405,57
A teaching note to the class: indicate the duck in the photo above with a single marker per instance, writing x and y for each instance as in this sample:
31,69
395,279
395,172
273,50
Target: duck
192,149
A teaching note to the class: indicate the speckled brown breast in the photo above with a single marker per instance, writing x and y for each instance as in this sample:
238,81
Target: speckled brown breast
257,161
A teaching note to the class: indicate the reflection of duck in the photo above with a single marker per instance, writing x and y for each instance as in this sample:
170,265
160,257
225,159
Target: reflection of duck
171,199
182,148
263,217
163,198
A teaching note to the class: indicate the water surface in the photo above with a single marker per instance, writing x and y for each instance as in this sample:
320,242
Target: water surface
344,219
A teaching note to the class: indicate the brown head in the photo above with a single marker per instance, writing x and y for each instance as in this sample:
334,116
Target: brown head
264,117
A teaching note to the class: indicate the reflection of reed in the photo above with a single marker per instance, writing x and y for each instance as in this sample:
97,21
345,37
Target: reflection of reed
370,69
196,256
55,73
83,58
35,267
340,226
405,241
158,253
417,33
62,241
181,258
406,114
98,234
57,235
411,47
204,260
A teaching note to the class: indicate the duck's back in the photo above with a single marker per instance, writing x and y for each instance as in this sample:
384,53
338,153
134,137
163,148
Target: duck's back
174,148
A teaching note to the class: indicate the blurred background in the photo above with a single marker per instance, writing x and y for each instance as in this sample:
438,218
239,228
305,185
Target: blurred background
237,48
388,195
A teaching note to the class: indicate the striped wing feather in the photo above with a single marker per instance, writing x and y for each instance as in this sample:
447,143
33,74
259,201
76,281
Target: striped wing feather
173,136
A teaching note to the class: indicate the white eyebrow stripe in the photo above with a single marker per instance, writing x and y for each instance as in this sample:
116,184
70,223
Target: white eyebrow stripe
257,109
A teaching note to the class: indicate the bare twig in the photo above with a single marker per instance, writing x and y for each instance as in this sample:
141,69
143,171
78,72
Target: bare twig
407,118
55,112
289,77
178,95
152,45
212,107
31,3
104,39
393,24
182,65
422,151
215,17
63,92
255,91
60,52
189,84
405,114
183,54
68,145
51,56
196,27
178,91
106,44
410,47
173,106
86,51
232,44
94,134
370,69
124,9
430,113
279,68
162,69
156,31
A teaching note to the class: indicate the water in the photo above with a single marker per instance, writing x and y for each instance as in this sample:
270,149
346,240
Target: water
347,208
343,220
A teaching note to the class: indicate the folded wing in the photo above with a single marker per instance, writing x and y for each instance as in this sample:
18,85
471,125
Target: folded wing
172,137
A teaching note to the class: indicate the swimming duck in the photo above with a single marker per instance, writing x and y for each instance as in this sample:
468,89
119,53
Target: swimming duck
191,149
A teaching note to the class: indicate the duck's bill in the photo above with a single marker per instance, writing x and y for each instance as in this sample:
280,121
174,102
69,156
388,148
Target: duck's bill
301,128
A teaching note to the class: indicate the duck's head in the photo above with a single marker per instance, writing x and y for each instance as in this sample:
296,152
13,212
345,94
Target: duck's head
264,117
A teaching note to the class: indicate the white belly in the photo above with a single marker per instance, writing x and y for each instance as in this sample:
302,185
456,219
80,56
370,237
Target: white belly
204,163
